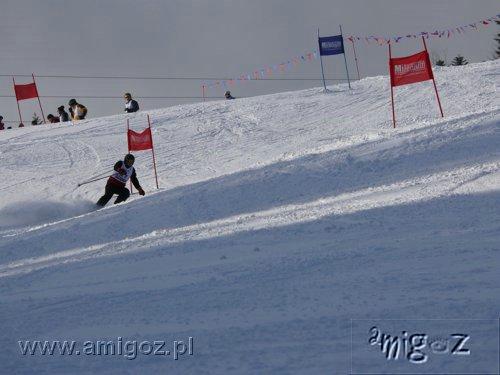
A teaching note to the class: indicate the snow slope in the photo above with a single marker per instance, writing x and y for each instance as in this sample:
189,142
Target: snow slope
279,220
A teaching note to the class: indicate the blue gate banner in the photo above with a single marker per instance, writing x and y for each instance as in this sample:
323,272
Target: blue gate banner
331,45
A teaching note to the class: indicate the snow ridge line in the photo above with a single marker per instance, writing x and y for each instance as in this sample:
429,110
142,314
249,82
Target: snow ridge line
405,192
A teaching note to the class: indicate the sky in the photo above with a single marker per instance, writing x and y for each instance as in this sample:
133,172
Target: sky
209,38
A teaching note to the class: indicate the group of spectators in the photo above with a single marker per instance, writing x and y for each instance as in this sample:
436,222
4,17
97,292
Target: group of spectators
78,111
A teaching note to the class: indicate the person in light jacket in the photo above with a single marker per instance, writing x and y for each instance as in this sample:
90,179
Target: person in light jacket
77,111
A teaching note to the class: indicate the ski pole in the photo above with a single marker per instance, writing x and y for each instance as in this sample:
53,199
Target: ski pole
100,174
97,176
89,181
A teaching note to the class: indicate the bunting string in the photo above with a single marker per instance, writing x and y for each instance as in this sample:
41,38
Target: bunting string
266,72
447,33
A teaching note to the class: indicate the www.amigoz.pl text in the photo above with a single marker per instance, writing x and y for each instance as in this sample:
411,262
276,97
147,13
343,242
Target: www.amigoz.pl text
129,349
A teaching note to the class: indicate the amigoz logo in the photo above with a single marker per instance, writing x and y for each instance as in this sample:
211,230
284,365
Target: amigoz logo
412,346
416,67
331,45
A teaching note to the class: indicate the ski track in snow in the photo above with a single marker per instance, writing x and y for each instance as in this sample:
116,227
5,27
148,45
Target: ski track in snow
279,219
406,192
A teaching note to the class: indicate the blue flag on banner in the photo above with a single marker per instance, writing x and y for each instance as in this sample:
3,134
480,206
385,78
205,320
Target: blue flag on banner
331,45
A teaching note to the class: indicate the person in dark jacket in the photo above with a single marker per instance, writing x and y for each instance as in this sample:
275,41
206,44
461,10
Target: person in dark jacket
124,171
2,125
52,119
130,104
63,115
228,95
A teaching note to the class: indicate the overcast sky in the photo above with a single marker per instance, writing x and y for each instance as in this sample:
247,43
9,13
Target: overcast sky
209,38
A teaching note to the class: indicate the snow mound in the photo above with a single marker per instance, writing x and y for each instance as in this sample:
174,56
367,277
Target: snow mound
31,213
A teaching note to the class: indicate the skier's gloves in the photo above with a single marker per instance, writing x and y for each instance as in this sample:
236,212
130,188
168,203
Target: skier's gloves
141,192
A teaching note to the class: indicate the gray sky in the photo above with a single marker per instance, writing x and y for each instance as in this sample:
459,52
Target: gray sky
214,38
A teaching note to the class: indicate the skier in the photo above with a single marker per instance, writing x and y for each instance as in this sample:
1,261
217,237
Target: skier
2,125
116,182
131,105
63,115
228,95
76,110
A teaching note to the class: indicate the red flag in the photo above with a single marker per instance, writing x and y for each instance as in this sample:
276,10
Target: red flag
27,91
140,141
410,69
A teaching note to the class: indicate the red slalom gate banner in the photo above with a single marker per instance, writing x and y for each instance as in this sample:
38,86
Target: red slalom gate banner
26,91
140,142
411,69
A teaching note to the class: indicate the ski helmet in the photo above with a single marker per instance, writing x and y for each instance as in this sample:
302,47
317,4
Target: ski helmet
129,157
72,102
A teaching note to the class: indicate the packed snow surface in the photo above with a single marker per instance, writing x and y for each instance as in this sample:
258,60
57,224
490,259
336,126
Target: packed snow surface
280,220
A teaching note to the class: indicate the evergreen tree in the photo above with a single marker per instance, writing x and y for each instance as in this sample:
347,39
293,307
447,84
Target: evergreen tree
459,60
36,120
440,63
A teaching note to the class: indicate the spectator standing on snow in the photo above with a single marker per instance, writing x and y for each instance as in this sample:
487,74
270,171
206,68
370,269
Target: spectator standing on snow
2,125
228,95
130,104
77,111
124,171
63,115
52,119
